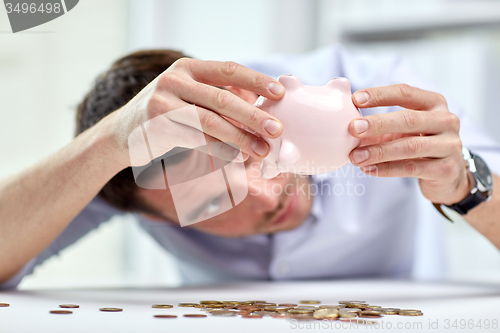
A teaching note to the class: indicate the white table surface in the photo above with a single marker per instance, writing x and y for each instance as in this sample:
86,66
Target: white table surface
442,304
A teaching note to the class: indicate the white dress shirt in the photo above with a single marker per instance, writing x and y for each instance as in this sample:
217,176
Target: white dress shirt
359,226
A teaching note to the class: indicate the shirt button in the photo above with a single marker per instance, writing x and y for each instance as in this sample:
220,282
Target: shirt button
283,268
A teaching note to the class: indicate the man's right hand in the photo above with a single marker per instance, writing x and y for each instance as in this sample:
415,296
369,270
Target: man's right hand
194,82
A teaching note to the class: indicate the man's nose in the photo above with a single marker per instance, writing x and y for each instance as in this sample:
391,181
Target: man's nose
265,195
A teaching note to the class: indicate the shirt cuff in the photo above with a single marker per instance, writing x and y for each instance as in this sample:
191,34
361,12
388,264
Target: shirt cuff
16,279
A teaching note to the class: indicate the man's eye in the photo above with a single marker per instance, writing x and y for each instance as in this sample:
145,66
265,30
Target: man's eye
213,206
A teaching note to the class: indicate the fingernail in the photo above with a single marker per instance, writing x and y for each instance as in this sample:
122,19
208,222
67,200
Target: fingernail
360,126
360,155
272,126
276,88
260,147
361,97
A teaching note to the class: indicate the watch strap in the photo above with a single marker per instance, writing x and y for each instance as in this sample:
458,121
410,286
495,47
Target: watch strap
471,201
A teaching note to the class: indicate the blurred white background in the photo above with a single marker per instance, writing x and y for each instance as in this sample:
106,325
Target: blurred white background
45,72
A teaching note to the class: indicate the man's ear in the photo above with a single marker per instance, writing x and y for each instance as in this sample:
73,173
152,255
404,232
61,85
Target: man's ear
245,95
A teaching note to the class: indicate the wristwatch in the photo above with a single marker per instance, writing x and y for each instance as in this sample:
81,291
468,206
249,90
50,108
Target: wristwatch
480,193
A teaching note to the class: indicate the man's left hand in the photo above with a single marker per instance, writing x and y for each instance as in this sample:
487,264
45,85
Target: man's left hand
420,141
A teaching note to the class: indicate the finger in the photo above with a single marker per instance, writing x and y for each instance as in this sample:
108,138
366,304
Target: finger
427,169
229,73
398,94
219,128
231,106
406,148
376,139
404,121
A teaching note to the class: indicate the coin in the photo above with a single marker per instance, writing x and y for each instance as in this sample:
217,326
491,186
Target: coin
110,309
277,308
374,306
345,302
389,311
69,306
61,311
162,306
326,313
187,305
300,311
224,313
251,315
192,315
309,302
347,314
410,312
4,305
337,306
352,310
165,316
305,307
248,307
369,314
210,302
287,304
256,302
358,305
215,306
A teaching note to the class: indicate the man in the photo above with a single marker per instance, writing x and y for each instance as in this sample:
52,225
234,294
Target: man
270,235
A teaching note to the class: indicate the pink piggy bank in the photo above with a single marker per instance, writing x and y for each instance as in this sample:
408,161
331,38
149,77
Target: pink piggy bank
315,120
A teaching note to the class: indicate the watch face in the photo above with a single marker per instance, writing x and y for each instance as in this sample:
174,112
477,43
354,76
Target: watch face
483,172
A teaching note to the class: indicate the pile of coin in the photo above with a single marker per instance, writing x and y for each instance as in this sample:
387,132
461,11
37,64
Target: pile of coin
304,310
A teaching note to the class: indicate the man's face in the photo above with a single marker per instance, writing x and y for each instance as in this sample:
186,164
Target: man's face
272,205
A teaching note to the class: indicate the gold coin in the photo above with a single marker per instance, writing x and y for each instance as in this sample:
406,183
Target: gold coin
408,312
256,302
210,302
110,309
347,314
4,305
187,305
306,307
165,316
353,310
370,313
374,306
224,313
61,312
162,306
390,311
287,304
337,306
277,308
309,302
191,315
346,302
300,311
69,306
215,306
326,313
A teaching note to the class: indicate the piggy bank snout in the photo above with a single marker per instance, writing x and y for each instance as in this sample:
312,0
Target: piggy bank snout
315,137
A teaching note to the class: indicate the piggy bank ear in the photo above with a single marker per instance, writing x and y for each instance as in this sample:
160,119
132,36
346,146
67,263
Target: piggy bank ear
290,82
340,83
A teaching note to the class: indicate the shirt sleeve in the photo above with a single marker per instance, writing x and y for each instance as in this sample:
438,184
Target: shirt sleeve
95,213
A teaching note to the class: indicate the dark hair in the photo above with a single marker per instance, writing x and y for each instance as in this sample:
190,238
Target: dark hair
112,90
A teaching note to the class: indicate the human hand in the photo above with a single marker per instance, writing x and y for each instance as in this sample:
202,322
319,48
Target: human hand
220,113
421,141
